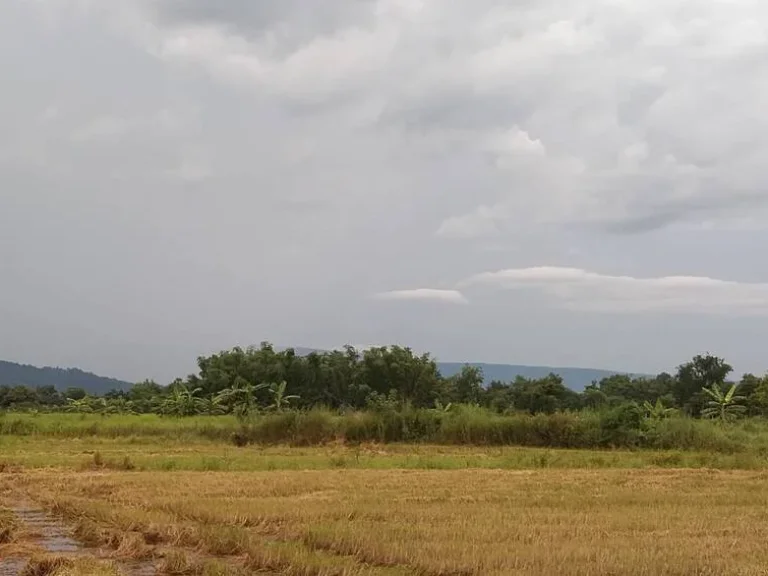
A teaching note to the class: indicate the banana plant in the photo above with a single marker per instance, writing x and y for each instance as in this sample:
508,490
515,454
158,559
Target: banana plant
182,401
211,405
657,411
81,406
439,407
120,406
280,399
725,406
241,397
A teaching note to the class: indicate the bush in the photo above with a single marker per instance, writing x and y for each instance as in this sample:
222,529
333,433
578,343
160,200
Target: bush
622,426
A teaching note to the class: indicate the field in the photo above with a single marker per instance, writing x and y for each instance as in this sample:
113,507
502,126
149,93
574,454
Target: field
77,504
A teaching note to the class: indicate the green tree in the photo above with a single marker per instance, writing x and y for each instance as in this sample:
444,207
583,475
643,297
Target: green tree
749,385
499,397
146,396
621,388
75,393
468,385
547,395
759,397
593,396
692,377
415,379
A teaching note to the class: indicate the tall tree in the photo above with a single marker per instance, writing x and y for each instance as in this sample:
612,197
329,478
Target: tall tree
468,385
703,371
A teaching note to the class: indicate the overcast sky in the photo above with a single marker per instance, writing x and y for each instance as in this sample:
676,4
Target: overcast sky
525,181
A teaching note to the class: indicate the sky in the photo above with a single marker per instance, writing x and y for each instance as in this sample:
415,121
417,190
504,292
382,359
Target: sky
533,182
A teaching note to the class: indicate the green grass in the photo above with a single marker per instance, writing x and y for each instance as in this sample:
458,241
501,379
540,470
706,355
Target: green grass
138,454
115,426
465,426
411,440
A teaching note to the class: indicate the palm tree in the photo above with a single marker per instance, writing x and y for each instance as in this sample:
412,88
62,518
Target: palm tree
241,397
279,397
724,406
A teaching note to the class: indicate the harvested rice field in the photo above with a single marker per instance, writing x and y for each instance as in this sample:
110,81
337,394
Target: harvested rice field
77,521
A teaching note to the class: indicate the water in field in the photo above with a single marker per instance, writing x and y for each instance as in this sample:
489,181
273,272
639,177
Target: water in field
55,537
50,532
11,566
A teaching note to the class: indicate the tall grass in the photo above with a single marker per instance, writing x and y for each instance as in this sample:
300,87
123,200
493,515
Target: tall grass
464,425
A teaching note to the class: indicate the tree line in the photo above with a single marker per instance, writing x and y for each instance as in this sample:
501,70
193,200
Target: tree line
245,381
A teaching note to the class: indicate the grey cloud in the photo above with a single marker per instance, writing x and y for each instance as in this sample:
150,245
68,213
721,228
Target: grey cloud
284,26
636,100
266,16
460,109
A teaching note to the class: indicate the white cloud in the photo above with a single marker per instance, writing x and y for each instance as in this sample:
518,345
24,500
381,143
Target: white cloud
434,294
578,289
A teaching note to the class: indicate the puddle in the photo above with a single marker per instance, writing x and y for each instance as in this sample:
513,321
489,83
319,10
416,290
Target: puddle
53,535
15,566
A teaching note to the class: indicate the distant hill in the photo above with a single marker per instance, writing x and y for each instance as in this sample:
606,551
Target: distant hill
575,378
12,374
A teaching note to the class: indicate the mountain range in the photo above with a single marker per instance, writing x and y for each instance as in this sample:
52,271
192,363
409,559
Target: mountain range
13,374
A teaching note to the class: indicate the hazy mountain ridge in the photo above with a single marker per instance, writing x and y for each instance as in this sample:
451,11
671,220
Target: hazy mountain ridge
13,374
